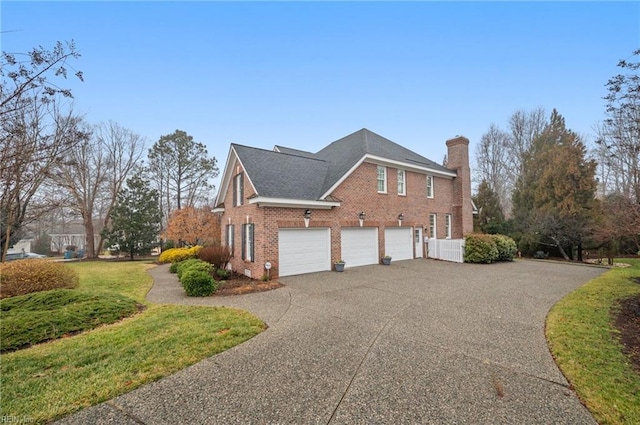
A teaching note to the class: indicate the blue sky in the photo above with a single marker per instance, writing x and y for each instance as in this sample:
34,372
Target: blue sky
303,74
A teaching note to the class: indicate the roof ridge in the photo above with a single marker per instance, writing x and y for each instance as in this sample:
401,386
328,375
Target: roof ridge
280,153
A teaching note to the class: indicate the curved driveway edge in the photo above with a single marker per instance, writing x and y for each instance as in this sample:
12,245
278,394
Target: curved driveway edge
417,342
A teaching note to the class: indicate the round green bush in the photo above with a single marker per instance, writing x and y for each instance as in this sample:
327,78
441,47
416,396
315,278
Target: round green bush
187,264
507,247
480,248
198,283
173,268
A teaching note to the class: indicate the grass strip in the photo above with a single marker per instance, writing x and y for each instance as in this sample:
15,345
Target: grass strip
55,379
584,343
128,278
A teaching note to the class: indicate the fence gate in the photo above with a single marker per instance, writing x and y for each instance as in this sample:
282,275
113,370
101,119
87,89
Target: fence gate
446,249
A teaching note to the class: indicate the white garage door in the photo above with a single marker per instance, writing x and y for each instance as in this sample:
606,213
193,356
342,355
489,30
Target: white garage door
359,246
304,251
398,243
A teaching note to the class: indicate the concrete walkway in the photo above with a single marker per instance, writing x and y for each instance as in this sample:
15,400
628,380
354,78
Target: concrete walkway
417,342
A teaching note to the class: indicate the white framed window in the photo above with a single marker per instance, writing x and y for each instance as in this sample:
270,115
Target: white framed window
432,226
382,179
247,242
447,225
238,189
430,187
230,237
402,186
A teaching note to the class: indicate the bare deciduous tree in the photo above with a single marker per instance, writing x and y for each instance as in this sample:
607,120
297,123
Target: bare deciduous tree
95,172
491,164
36,129
619,136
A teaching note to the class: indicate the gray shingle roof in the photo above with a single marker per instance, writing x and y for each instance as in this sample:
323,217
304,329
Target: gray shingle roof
295,174
283,175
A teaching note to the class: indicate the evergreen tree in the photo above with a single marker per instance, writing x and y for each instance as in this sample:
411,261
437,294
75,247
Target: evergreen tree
135,219
490,218
556,199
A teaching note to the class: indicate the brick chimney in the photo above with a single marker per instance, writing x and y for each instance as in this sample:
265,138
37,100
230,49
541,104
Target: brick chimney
462,210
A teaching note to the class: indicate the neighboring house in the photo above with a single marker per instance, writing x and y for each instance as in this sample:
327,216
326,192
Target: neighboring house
360,198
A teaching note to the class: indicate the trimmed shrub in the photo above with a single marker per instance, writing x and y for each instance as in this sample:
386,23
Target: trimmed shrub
174,255
198,283
192,263
507,247
223,274
219,256
480,248
174,268
22,277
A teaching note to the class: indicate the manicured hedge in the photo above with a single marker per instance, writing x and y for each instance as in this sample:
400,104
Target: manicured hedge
22,277
198,283
482,248
196,277
174,255
507,247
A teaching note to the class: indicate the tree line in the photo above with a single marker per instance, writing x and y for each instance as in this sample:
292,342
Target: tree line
56,165
539,182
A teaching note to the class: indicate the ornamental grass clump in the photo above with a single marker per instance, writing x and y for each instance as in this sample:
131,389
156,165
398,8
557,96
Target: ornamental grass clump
219,255
22,277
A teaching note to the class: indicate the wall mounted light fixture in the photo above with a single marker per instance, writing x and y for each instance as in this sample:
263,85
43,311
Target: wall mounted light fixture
307,217
361,218
400,218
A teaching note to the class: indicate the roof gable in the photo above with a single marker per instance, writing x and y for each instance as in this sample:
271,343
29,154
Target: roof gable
287,173
345,153
283,175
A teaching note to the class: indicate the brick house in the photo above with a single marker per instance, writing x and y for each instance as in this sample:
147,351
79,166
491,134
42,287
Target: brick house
360,198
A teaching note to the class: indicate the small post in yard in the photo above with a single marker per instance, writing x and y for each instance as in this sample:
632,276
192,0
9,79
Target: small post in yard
267,266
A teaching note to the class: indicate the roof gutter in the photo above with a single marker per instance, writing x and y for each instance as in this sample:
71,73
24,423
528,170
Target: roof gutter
264,201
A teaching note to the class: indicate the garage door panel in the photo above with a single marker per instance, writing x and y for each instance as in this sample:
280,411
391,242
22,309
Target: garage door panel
304,251
359,246
398,243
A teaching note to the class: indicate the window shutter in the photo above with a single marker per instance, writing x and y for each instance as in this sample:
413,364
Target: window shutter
251,241
232,237
244,241
241,200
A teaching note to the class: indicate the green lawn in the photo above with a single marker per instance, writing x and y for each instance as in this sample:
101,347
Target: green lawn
584,343
54,379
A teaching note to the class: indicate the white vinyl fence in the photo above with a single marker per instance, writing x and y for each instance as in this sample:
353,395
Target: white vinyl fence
446,249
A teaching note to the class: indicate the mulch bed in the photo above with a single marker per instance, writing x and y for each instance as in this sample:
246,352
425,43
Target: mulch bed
627,321
239,284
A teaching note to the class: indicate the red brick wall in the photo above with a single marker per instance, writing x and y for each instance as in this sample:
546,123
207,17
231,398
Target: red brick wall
357,193
458,160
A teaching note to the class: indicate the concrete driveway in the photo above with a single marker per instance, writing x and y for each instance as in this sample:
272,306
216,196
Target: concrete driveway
417,342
